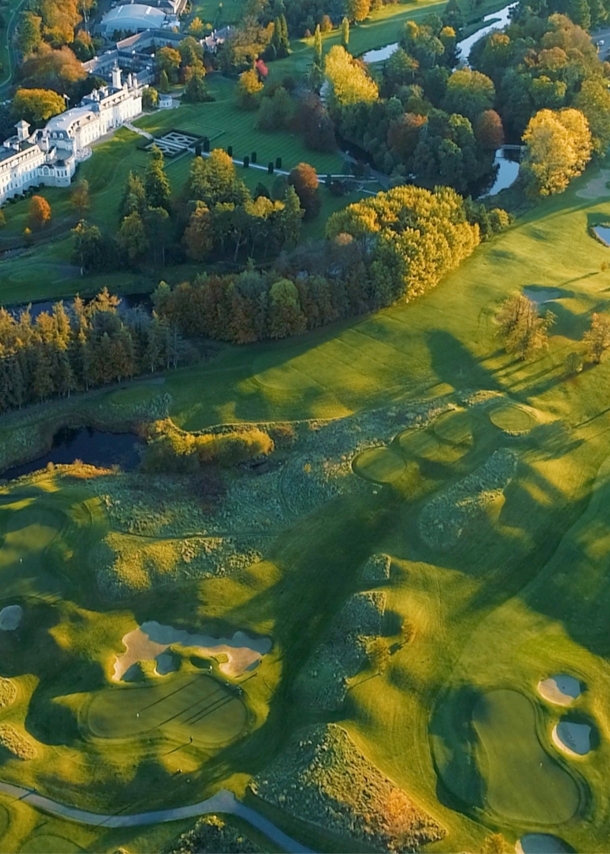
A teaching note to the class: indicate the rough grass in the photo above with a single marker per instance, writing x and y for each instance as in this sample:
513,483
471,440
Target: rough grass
322,777
8,692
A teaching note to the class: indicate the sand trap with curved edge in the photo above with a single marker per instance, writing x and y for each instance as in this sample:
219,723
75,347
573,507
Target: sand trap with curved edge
560,689
572,738
151,640
10,617
540,843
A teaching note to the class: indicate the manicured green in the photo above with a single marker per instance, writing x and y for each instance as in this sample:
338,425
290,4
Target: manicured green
489,755
189,705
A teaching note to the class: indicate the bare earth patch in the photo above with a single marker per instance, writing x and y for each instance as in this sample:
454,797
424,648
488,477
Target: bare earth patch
572,738
151,641
561,689
10,617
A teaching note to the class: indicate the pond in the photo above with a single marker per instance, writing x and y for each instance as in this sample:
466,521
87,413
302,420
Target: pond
127,301
92,447
495,21
507,173
603,232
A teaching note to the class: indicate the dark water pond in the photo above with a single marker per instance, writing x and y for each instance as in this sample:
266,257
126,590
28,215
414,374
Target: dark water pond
92,447
128,301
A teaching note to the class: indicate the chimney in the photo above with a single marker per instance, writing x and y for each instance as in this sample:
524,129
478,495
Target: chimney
116,77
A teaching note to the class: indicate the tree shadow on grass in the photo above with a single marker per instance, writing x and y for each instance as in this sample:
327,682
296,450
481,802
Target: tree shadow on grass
453,743
455,365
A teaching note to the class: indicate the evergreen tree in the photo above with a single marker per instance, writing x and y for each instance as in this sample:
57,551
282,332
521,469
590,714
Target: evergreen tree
345,33
156,183
164,87
317,47
134,196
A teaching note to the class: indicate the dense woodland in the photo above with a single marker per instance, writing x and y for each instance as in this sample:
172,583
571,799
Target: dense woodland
80,347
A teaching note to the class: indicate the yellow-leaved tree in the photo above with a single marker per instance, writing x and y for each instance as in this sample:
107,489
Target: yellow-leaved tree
558,147
348,79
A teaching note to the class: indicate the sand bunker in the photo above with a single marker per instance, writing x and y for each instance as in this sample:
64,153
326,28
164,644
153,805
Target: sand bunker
561,689
572,738
151,640
596,188
10,617
540,843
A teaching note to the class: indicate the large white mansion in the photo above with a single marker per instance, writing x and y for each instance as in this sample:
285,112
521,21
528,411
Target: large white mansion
49,156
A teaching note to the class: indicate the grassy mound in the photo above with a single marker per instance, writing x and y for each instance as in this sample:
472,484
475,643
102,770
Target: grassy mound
321,777
8,692
213,833
381,465
513,420
182,706
16,742
323,681
443,519
377,568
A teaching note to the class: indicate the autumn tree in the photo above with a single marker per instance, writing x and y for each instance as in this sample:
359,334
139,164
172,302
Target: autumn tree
39,212
358,10
168,59
593,101
597,338
131,238
488,130
349,82
81,197
150,98
197,28
305,182
248,90
58,70
214,179
523,331
558,147
37,106
199,236
495,843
